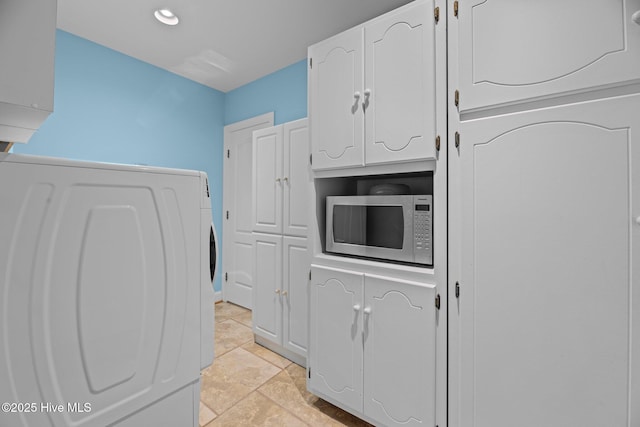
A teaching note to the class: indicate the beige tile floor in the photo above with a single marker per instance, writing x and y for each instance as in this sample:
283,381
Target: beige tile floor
249,385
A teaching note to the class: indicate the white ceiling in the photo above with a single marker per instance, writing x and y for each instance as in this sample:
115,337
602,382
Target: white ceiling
222,44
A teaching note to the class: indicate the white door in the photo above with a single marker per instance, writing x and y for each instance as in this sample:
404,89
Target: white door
237,241
335,101
515,50
297,179
399,90
268,287
268,180
549,312
335,348
295,298
399,336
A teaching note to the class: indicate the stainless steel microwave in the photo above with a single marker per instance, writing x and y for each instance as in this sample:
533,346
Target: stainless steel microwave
388,227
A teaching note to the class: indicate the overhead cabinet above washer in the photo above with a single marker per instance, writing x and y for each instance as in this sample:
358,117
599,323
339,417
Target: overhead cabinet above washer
372,91
27,48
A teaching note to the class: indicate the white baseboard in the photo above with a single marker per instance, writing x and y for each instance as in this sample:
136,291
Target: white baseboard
217,296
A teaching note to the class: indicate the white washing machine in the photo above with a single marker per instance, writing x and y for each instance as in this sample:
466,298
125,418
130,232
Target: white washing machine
106,298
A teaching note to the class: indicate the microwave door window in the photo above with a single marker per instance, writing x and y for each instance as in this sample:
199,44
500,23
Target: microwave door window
385,226
350,224
373,226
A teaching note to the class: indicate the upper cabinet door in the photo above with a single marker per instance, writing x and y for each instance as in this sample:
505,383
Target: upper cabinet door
268,180
399,91
514,51
296,177
335,101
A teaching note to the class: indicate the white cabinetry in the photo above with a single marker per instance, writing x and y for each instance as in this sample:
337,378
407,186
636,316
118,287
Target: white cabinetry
372,91
27,46
281,195
544,220
548,255
512,51
370,333
335,96
281,293
281,179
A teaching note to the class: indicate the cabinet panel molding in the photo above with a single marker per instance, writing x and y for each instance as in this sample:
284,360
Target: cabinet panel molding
335,96
335,356
506,56
400,335
400,116
548,257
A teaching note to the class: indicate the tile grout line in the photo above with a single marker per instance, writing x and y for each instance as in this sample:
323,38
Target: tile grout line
268,398
283,408
256,389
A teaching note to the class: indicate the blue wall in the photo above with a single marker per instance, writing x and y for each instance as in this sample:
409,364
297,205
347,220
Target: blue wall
110,107
283,92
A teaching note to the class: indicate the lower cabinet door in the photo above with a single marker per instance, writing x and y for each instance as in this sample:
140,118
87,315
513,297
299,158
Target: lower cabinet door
399,329
267,286
295,294
335,352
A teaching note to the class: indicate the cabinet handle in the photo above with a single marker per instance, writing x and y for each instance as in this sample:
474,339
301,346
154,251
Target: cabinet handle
367,94
638,220
285,293
356,307
356,95
278,180
367,310
636,17
286,180
278,291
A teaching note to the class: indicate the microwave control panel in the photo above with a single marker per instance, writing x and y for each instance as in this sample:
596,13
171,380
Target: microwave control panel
423,229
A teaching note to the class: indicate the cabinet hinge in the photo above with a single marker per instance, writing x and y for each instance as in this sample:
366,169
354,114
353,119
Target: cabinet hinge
455,9
309,274
457,290
456,98
438,143
310,62
309,372
226,277
228,153
436,14
457,139
206,181
227,214
310,159
438,301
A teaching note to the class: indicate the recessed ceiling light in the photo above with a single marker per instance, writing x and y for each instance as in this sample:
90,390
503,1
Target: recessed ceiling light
166,17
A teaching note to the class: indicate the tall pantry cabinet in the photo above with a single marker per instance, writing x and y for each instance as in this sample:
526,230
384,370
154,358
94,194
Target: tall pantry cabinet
377,108
280,215
544,213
